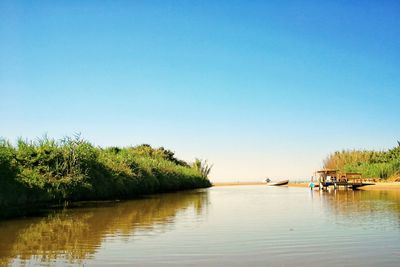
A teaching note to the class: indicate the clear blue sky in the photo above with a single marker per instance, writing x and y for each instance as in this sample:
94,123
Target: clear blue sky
259,88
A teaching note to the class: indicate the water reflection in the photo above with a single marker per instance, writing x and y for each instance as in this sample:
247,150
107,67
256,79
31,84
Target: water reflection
243,226
76,234
362,208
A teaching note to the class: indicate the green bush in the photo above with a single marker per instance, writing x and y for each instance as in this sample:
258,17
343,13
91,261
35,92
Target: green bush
371,164
49,171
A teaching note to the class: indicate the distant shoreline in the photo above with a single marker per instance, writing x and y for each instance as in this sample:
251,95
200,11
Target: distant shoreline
377,186
237,183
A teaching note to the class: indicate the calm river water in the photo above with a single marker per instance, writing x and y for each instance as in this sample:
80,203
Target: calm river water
220,226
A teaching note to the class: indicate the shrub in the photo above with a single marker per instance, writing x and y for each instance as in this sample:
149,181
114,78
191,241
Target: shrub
47,171
372,164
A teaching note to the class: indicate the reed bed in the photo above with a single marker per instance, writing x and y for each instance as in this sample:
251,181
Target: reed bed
383,165
48,171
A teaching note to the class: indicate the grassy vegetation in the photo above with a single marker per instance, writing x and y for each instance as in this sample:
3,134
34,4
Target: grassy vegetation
372,164
72,169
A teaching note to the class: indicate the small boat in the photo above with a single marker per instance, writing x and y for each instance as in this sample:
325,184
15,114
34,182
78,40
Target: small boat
283,182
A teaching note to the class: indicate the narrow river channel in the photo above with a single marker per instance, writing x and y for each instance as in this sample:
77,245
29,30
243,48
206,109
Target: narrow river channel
220,226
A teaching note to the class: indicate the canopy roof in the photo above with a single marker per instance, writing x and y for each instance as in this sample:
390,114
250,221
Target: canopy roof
327,171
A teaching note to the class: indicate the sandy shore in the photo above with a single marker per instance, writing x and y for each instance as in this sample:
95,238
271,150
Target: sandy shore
299,184
237,183
376,186
382,186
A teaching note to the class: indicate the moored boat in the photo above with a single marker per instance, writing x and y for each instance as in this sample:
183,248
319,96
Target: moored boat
282,182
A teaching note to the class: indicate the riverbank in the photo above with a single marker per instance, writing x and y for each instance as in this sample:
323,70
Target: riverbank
382,186
240,183
237,183
38,174
376,186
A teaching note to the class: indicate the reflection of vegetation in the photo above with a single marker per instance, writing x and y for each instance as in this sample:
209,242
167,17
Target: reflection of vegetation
47,171
75,234
372,164
358,207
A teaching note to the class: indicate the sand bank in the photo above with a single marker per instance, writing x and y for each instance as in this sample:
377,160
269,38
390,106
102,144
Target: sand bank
382,186
237,183
376,186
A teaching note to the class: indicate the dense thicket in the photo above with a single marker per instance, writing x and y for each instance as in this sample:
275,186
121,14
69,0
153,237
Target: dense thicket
372,164
49,171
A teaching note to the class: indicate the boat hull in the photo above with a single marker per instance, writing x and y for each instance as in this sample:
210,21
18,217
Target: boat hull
279,183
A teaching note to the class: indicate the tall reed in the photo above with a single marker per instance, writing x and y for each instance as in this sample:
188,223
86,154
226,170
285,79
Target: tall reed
372,164
50,171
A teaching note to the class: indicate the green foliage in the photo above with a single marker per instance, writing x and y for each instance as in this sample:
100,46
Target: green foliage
372,164
202,167
47,170
8,166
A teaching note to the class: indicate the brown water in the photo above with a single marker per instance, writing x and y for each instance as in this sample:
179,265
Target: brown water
221,226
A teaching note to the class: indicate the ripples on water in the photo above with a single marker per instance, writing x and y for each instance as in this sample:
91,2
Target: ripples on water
221,226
